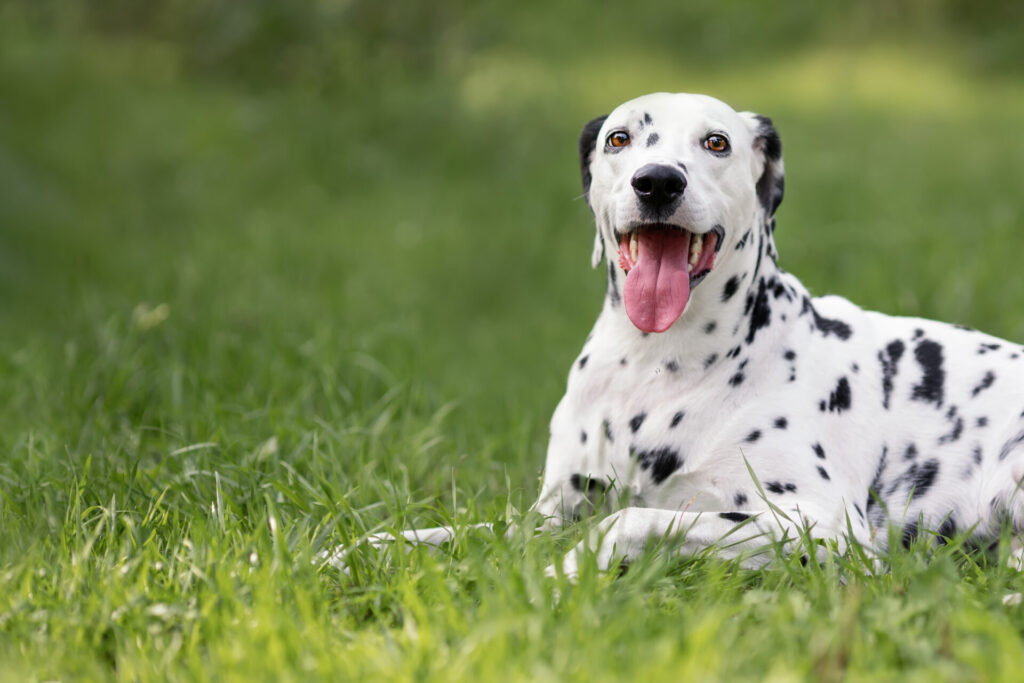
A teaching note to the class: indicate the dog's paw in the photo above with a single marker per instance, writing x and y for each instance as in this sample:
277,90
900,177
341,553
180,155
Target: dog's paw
338,557
570,568
334,558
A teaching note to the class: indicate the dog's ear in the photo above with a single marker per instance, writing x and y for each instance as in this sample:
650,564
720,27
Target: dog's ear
772,182
588,143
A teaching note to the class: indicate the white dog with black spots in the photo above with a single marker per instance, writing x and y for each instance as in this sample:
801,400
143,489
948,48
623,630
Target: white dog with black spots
717,403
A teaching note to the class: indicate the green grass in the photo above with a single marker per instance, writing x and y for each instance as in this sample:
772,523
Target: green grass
242,324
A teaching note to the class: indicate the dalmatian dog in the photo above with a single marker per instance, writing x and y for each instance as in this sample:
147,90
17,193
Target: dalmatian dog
717,403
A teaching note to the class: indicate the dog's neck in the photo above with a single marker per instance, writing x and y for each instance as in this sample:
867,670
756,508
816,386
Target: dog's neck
741,302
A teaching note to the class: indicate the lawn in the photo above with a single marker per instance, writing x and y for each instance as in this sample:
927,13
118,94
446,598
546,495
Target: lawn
260,302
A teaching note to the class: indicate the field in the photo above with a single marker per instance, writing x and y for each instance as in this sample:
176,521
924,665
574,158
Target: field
268,290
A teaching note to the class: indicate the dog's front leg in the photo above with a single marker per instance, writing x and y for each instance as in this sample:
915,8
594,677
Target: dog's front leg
433,537
625,534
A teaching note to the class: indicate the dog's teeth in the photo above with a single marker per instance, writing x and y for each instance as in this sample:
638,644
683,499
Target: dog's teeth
634,248
696,247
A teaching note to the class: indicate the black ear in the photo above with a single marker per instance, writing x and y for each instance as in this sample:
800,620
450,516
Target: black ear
588,142
772,183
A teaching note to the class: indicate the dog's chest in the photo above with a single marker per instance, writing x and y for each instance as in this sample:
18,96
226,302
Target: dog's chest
647,421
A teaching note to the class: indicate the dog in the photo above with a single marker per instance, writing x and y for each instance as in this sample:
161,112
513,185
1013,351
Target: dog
718,403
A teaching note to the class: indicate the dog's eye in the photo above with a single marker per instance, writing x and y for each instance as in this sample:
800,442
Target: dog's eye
718,144
618,139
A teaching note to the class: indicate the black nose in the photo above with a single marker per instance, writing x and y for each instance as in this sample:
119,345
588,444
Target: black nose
658,185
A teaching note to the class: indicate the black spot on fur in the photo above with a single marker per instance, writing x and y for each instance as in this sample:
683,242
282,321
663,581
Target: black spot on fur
976,455
829,326
985,348
956,429
740,499
932,387
672,366
661,462
608,430
818,450
647,119
743,240
840,398
911,452
981,421
1010,445
875,487
781,423
585,484
909,534
946,530
583,436
583,362
889,358
733,352
779,487
823,473
636,421
789,355
753,436
622,361
825,325
761,315
676,419
984,384
710,360
710,327
652,139
760,253
918,333
736,379
923,477
734,516
731,285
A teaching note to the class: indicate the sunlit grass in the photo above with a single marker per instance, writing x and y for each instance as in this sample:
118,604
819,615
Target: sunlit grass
242,326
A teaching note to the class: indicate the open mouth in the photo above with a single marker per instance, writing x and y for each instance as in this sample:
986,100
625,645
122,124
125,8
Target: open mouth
663,262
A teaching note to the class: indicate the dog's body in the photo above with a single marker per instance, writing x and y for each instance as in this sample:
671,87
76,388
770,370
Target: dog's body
696,378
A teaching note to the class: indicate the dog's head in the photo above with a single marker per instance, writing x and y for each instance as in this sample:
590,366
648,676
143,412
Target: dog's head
674,181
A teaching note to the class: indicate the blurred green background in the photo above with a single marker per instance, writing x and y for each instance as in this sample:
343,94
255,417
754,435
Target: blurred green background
275,274
246,219
250,219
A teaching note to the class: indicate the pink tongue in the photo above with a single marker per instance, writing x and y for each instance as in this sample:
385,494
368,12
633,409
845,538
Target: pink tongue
658,286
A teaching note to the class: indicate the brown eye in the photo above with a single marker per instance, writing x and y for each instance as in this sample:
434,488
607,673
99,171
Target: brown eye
716,143
618,139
